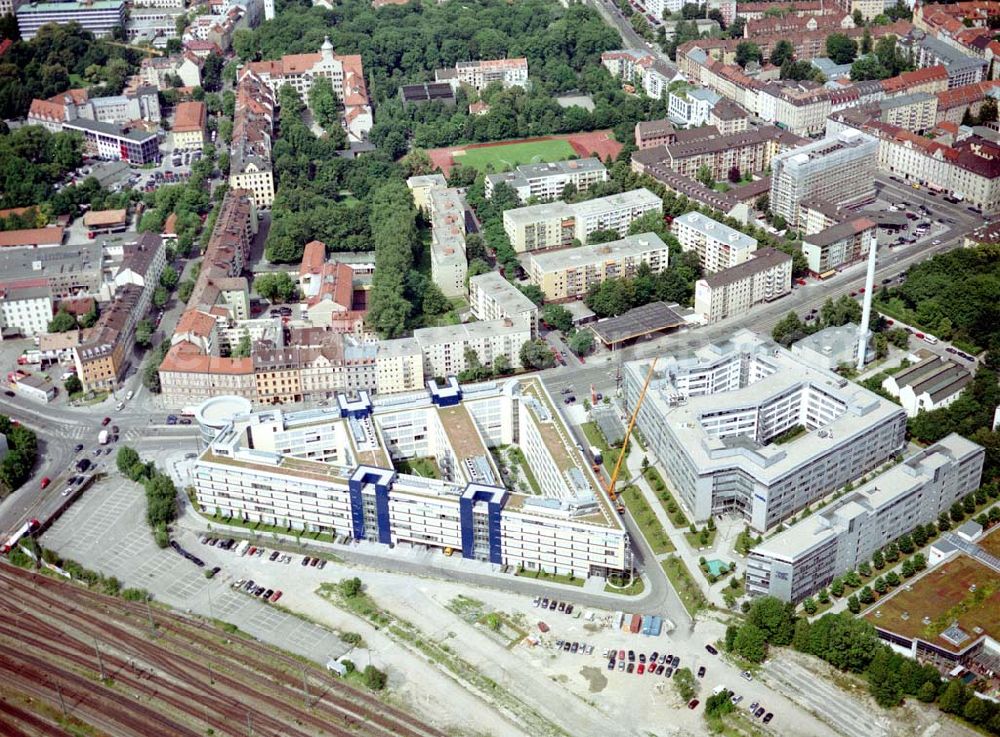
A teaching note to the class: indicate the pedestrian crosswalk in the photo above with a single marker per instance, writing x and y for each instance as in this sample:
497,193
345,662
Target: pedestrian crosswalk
84,433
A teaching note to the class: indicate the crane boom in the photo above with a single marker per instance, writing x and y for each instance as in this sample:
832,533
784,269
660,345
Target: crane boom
628,434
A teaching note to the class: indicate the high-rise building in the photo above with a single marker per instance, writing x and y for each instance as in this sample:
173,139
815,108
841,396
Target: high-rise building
100,17
840,170
808,555
736,290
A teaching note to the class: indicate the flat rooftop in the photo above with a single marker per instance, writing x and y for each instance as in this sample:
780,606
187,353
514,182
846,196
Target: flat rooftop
463,435
942,608
509,298
568,258
649,318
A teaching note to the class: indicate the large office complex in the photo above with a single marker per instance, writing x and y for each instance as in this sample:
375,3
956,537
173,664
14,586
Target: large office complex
100,17
735,291
712,418
808,555
839,170
113,142
491,297
448,263
547,181
333,471
571,272
556,224
718,246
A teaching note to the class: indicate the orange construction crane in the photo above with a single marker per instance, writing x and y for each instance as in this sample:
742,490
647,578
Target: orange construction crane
628,434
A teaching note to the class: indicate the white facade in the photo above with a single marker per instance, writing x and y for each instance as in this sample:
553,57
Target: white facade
479,74
444,347
491,297
928,385
547,181
718,246
692,108
735,291
807,556
25,311
711,419
449,266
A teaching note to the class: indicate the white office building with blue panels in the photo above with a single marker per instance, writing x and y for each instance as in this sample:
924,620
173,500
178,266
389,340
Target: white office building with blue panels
337,471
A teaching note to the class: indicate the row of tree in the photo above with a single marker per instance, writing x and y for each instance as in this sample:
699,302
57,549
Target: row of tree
161,493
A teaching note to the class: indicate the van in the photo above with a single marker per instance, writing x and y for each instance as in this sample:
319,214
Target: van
129,395
930,339
120,406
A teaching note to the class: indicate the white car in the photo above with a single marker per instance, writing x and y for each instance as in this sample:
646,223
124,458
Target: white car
120,406
129,395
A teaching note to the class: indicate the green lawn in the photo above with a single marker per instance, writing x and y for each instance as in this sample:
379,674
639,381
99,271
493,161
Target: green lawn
554,578
633,589
425,467
685,586
662,491
694,539
504,158
648,523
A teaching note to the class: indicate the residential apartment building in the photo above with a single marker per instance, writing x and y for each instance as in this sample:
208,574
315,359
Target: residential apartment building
140,103
929,79
798,107
100,17
444,348
839,169
556,224
653,133
399,366
927,51
547,181
420,188
449,265
915,112
691,107
711,418
250,168
839,245
570,273
480,74
748,151
952,104
333,471
189,125
927,385
807,556
159,71
345,72
25,310
735,291
105,350
641,70
718,246
491,297
66,271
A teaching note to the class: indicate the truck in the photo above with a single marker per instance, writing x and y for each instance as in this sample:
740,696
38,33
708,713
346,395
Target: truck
595,453
241,549
103,437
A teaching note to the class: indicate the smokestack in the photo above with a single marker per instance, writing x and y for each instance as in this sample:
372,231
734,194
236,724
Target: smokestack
866,311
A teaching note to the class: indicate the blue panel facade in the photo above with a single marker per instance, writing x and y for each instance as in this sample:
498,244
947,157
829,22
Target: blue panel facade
495,499
357,509
468,536
382,512
496,554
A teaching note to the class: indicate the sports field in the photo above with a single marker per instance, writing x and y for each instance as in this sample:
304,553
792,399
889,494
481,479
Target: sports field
505,157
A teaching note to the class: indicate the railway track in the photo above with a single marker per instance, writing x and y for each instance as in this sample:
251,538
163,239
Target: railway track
193,675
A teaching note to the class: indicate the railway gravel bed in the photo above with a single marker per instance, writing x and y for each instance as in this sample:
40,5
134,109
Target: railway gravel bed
190,677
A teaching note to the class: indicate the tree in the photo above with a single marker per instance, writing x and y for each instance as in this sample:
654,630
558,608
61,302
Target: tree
734,175
532,292
325,105
751,642
73,385
602,236
160,296
747,51
434,302
704,176
878,560
953,698
63,322
927,692
127,459
809,605
783,51
244,347
558,318
169,277
276,287
373,678
718,705
866,595
841,48
350,587
536,354
853,604
837,587
582,342
686,684
144,333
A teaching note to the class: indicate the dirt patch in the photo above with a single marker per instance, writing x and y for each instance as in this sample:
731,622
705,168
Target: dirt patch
596,680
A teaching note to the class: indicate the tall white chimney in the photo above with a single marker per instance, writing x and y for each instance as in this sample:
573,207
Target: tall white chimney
866,311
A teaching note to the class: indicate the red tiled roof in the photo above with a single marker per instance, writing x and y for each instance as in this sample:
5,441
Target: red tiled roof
189,117
313,258
31,237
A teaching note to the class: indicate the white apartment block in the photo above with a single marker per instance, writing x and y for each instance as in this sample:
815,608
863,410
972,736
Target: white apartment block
718,246
399,366
492,297
333,471
692,107
808,555
25,311
712,417
448,262
642,70
735,291
444,347
547,181
839,169
556,224
571,272
420,187
100,17
480,74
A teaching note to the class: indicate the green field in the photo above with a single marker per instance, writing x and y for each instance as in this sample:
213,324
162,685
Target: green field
504,158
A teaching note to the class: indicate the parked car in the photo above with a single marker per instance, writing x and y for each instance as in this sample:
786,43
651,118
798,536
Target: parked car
711,650
46,481
693,704
78,447
105,422
701,672
641,669
276,595
768,717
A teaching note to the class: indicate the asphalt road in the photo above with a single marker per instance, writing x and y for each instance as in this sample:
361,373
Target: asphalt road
632,40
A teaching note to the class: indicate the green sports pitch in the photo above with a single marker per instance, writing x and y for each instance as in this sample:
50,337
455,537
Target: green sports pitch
504,158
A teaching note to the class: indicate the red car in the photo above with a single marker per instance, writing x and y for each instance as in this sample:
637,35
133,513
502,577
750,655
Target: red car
46,481
693,704
276,595
641,669
105,421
